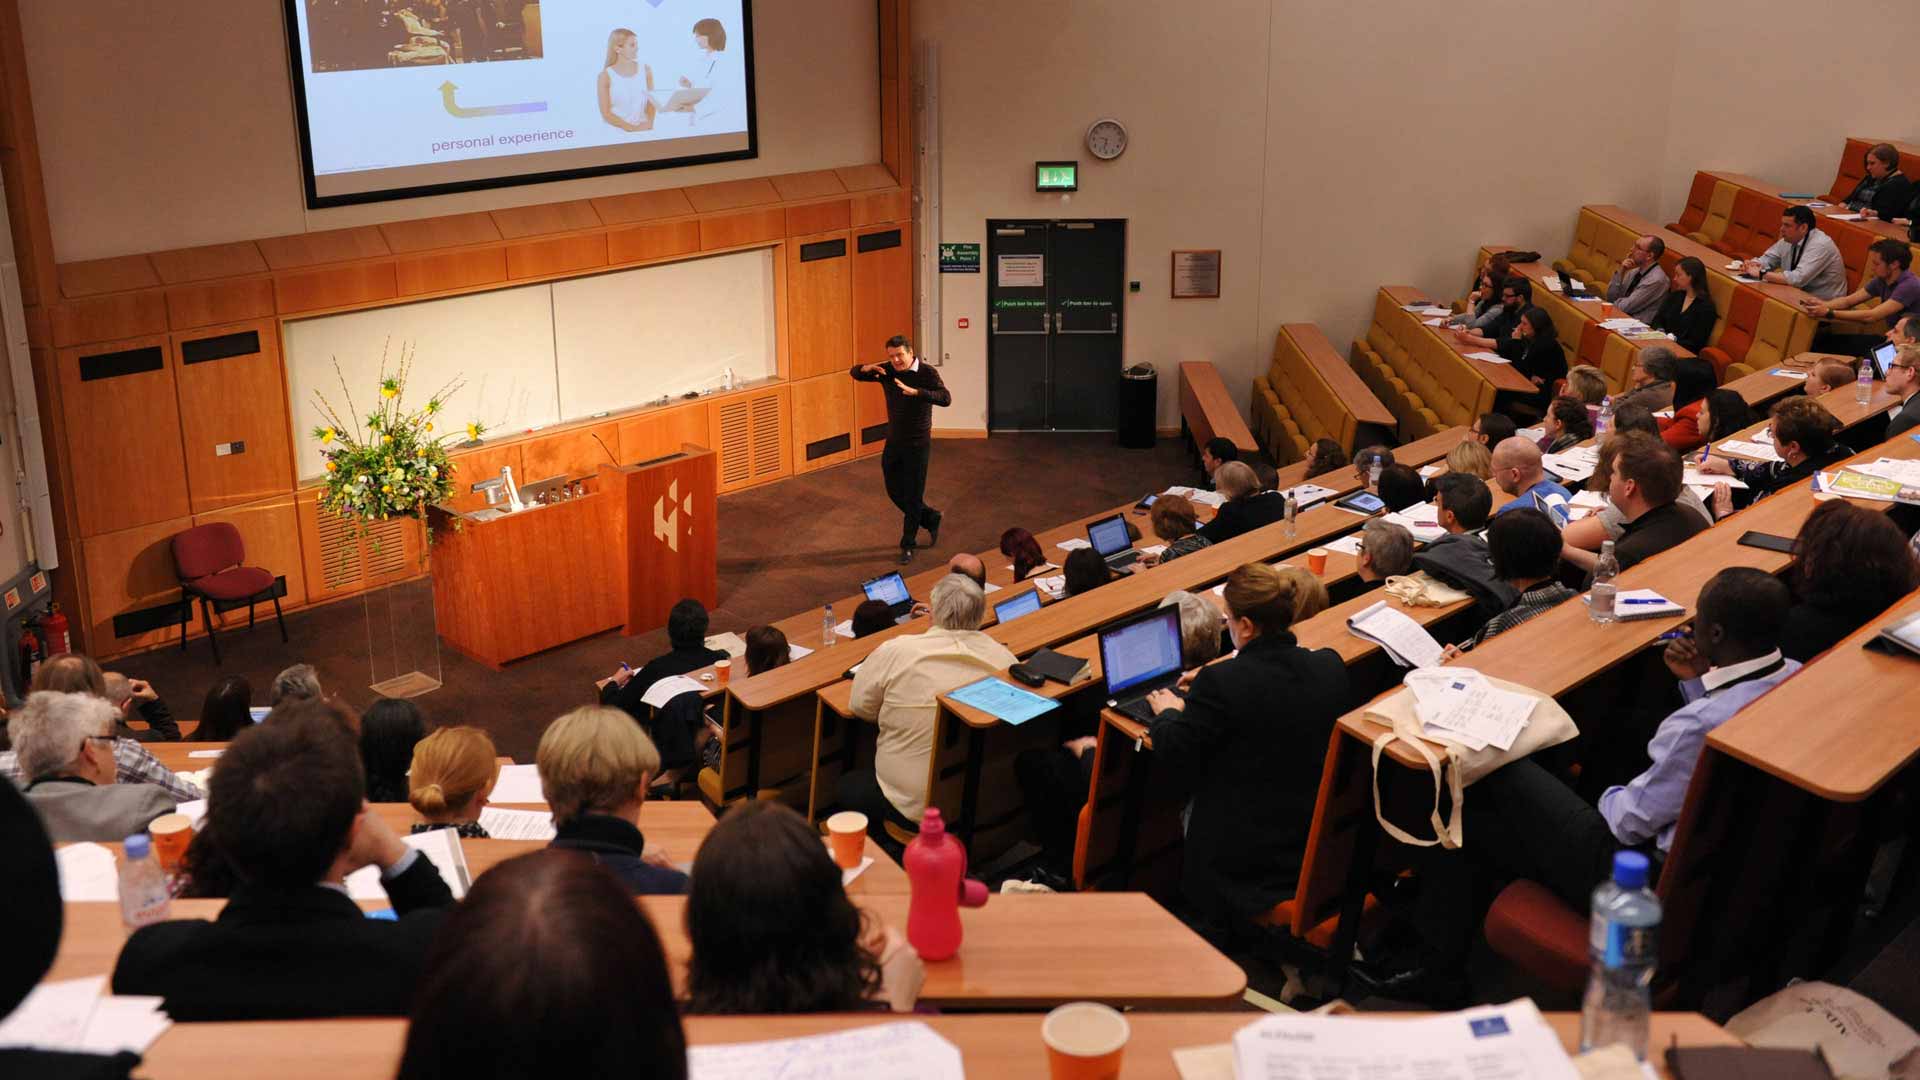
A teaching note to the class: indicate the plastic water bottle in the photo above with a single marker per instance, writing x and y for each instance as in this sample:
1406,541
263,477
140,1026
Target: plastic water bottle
1863,386
1600,596
936,867
1623,941
1604,421
826,628
1289,509
144,898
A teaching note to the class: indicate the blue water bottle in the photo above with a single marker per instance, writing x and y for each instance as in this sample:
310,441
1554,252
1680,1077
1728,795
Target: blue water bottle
1623,941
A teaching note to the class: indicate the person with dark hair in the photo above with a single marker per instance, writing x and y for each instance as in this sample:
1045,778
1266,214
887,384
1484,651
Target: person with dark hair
1714,417
1651,378
1535,352
1646,487
772,929
767,649
1849,564
1401,487
1529,824
1803,257
913,390
1581,539
1460,557
1364,460
1688,312
388,733
1084,569
289,817
546,961
1483,303
1888,284
871,617
1803,436
1019,545
715,71
1885,192
1693,378
132,697
1517,472
1516,293
1635,417
1525,548
1903,382
687,641
1214,453
227,711
1174,521
75,673
1566,424
1325,457
1492,429
1639,285
1254,772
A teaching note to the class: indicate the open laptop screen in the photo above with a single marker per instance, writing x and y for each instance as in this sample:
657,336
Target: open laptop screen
1109,536
1025,604
1141,650
887,588
1883,356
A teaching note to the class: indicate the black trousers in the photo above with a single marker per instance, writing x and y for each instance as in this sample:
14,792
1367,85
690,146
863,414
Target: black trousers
1054,783
905,467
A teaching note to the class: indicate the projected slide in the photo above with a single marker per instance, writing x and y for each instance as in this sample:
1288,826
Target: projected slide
411,97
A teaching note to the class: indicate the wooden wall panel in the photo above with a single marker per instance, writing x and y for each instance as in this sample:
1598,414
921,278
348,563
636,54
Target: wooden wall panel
338,561
656,434
473,466
120,274
110,318
876,206
123,441
642,206
127,571
207,263
572,452
732,194
271,532
748,227
882,287
866,177
222,302
541,258
427,234
807,185
337,288
819,306
451,270
869,418
240,398
658,240
819,217
315,248
822,411
519,222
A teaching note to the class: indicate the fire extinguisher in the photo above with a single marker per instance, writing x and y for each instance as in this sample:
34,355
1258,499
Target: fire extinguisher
54,629
30,654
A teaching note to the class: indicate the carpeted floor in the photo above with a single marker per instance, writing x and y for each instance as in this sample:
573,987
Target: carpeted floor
784,548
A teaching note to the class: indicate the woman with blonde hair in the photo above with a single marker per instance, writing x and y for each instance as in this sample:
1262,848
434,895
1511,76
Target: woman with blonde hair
1472,458
453,773
1250,739
624,84
1309,593
595,764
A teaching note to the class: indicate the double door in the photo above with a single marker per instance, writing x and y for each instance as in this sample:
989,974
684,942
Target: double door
1054,321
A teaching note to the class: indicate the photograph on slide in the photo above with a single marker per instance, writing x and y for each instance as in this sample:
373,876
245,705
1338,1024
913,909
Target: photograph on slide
362,35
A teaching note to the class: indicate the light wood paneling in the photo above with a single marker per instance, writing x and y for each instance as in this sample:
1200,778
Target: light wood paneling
866,177
732,194
227,301
747,227
127,571
123,441
882,289
541,258
642,206
451,270
822,410
808,185
473,466
870,412
819,307
657,240
657,434
343,287
234,399
206,263
818,217
753,434
518,222
339,561
429,234
572,452
876,206
271,532
330,246
107,276
109,318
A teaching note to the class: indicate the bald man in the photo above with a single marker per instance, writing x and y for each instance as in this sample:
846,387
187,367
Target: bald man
1517,471
968,566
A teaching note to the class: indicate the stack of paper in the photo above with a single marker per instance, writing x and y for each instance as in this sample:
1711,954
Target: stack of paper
1573,464
1428,472
71,1015
1434,309
1787,373
1152,549
440,846
1857,484
1846,217
1489,357
730,643
1423,521
1198,497
665,690
1552,284
1001,699
1631,604
87,872
1054,585
1405,641
1346,545
1461,706
1907,473
1758,451
518,784
908,1049
1072,544
1624,325
1433,322
504,824
844,628
1305,495
1511,1040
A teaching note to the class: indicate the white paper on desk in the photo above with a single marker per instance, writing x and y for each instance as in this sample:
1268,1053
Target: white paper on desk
795,652
1433,322
1624,325
1346,545
1592,500
730,643
1428,472
904,1051
1787,373
54,1015
665,690
1489,357
87,872
206,753
1152,549
505,824
990,587
1845,217
1743,448
1213,1062
123,1023
518,784
1305,495
1568,467
1552,284
1745,280
439,846
1501,1042
1436,309
1614,1062
1461,705
844,628
1422,520
1054,585
1901,472
1588,298
1694,478
194,809
847,876
1735,264
1532,434
1072,544
1405,641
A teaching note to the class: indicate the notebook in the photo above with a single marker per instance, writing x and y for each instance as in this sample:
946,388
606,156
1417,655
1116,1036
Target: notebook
1631,604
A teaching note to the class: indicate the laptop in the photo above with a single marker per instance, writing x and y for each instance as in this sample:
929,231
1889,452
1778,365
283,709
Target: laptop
1140,656
1025,604
890,589
1569,283
1109,538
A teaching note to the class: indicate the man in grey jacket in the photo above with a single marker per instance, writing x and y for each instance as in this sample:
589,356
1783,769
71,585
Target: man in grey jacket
1461,558
64,744
1639,285
1803,257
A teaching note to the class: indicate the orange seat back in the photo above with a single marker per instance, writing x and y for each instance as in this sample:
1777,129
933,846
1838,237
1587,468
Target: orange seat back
1698,196
1853,169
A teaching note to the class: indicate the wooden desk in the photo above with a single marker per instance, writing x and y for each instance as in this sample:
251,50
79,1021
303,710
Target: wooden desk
1541,272
1762,388
1207,410
1367,409
1875,229
1684,245
1020,951
1500,376
178,756
1005,1045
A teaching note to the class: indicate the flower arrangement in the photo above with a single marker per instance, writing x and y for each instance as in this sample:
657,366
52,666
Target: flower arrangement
389,463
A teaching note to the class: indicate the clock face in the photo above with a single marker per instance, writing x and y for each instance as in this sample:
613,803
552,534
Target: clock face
1106,139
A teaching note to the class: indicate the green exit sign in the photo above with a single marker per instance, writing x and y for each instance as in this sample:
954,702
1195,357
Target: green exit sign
1056,176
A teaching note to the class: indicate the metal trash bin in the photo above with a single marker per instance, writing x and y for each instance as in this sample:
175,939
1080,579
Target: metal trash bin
1139,401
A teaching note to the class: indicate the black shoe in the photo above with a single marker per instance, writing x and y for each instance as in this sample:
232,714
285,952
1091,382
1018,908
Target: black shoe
933,530
1421,985
906,555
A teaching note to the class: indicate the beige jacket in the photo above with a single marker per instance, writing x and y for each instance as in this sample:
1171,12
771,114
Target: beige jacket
898,685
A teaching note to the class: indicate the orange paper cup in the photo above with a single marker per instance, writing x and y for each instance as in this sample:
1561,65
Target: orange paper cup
171,835
722,669
1317,560
847,835
1084,1041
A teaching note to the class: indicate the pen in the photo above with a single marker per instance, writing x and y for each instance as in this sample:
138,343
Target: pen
1677,632
1641,600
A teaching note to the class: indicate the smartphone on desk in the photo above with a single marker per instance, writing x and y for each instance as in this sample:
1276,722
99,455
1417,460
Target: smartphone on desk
1768,541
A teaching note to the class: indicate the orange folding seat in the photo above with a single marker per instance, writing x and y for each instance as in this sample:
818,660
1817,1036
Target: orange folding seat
1698,197
1853,245
1739,235
1766,225
1742,320
1853,169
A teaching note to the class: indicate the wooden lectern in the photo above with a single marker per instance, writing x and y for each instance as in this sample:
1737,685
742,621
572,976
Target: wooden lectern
643,537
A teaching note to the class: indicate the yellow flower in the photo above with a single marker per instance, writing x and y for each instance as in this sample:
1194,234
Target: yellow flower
331,467
473,431
326,436
429,427
388,488
388,391
384,439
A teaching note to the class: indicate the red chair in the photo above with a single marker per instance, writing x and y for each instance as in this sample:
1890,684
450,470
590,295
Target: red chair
209,562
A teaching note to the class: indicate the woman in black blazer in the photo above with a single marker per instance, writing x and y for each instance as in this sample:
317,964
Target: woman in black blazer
1247,507
1688,312
1535,351
1250,739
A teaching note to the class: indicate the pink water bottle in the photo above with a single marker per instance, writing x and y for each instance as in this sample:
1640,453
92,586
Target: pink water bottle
937,868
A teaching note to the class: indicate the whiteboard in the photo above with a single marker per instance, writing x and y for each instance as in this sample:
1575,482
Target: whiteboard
500,343
628,338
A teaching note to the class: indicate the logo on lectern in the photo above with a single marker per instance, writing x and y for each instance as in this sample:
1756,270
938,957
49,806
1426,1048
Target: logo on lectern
666,515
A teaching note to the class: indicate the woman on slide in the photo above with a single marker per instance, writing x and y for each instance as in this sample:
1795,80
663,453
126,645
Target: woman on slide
711,68
624,83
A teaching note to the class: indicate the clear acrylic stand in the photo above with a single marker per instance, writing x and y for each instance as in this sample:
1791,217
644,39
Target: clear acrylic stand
402,643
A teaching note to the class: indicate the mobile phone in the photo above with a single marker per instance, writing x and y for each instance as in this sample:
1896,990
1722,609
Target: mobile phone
1145,503
1768,541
